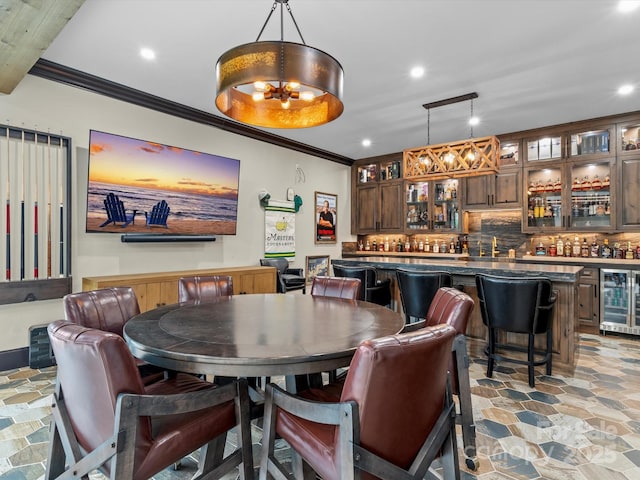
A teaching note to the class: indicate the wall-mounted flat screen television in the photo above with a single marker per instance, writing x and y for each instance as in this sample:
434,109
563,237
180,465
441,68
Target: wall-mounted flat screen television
143,187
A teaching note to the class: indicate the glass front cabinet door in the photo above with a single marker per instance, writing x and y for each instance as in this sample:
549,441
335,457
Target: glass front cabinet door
575,196
433,206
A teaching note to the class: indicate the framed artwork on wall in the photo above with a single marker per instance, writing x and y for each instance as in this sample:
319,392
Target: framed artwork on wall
317,265
326,207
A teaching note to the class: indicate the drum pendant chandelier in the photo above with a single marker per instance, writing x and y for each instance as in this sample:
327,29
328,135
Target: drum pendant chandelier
278,84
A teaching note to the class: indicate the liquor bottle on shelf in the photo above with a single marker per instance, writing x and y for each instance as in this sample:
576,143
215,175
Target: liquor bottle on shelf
605,252
595,249
458,248
421,246
452,246
629,252
560,247
465,244
427,246
386,244
553,248
616,251
407,245
584,249
374,245
436,247
381,246
568,248
415,244
443,247
575,252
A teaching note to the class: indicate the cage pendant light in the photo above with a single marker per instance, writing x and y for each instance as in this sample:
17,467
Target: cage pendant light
279,84
465,158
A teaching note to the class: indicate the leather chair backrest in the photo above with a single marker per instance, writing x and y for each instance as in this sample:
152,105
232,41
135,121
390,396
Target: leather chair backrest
417,289
201,289
338,287
367,276
281,264
107,309
516,304
94,367
452,307
397,411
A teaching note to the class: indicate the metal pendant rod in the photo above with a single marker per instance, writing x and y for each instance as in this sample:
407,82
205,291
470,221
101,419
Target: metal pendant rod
449,101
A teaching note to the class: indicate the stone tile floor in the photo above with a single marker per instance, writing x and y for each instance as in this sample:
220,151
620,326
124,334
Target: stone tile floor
579,425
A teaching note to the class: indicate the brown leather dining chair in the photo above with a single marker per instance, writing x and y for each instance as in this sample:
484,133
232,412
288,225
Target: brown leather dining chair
336,287
452,307
108,309
333,287
385,424
201,289
104,417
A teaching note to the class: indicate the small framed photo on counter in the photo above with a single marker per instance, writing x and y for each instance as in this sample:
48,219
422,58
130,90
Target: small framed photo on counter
326,207
317,265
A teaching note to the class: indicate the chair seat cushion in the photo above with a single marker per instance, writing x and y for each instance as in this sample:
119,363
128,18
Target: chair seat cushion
291,280
182,434
313,441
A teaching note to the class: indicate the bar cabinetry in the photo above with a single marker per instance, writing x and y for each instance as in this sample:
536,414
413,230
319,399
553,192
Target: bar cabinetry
629,174
570,196
433,206
500,190
376,204
589,300
156,289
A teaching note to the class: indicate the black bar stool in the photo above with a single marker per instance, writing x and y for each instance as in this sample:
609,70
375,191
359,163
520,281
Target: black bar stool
520,305
417,289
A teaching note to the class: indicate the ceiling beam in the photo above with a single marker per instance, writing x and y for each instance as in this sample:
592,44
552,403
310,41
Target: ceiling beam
27,28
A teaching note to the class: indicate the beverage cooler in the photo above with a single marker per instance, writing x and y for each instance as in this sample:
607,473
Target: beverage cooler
620,301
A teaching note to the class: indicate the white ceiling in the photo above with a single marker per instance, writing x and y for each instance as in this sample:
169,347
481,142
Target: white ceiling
532,62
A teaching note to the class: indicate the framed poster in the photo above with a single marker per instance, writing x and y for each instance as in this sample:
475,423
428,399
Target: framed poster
316,266
326,206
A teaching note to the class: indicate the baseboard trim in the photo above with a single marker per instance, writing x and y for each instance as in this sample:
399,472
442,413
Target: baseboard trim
11,359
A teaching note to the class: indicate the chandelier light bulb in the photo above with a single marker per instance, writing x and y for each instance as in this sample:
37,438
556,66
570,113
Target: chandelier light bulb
307,96
258,96
285,103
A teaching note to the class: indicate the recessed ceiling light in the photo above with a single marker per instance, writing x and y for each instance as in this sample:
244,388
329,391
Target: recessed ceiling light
366,142
626,6
147,53
625,89
474,121
417,72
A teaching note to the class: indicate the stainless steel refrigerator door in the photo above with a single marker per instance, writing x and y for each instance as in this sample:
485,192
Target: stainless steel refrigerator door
615,300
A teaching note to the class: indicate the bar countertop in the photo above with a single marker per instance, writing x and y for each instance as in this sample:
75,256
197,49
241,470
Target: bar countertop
555,273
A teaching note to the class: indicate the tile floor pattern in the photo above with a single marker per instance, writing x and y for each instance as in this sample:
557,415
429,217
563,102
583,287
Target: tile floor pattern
579,425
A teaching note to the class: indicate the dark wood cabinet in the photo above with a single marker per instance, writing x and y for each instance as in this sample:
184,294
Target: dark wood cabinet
376,204
629,197
588,301
501,190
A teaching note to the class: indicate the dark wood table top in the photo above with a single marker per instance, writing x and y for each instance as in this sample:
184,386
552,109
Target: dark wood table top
258,335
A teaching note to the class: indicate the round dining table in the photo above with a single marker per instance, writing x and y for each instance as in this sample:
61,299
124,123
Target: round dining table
258,335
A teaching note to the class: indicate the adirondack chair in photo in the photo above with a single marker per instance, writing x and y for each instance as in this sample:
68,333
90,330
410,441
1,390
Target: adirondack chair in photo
158,215
116,212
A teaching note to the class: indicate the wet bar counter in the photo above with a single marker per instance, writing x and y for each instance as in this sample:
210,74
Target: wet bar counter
565,284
